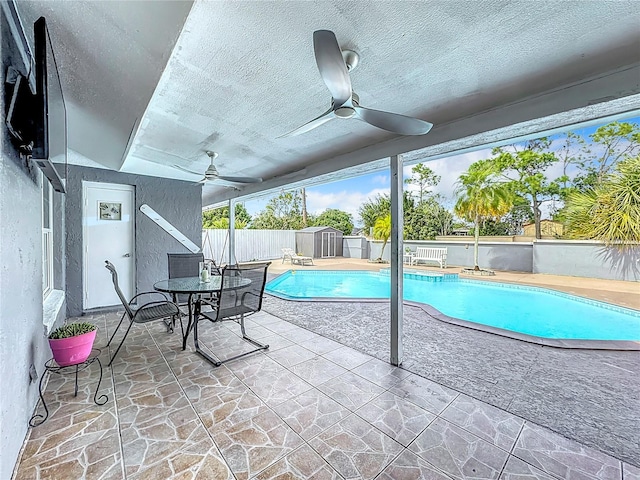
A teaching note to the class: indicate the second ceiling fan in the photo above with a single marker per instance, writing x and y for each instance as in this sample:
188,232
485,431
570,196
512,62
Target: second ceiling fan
211,173
334,66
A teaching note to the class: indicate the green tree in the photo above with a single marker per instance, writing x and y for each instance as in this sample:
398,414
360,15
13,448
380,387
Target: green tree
282,212
424,178
337,219
524,170
382,231
493,227
426,220
373,209
610,212
223,223
481,195
612,143
572,152
519,215
512,222
214,218
305,217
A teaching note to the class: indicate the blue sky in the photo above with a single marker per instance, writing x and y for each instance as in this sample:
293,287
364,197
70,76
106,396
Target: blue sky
349,194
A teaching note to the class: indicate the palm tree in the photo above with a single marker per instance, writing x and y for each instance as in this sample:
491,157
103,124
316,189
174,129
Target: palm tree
610,212
481,197
382,231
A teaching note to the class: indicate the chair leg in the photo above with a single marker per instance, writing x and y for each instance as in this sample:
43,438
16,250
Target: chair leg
120,346
181,325
116,330
249,339
217,362
170,323
199,351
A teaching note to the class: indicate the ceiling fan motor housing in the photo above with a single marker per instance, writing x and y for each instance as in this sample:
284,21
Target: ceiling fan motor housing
344,112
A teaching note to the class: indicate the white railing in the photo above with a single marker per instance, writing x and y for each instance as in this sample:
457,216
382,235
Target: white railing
250,244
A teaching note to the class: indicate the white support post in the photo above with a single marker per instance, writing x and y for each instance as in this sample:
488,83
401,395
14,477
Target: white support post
232,232
396,260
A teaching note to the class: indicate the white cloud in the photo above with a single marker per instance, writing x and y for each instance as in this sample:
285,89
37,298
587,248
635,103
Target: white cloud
343,200
380,180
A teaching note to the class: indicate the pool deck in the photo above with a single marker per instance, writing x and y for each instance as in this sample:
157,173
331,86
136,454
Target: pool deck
617,292
465,404
590,396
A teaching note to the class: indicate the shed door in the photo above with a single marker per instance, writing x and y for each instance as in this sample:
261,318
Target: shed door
328,244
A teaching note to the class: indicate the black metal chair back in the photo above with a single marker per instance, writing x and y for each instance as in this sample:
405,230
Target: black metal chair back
114,277
183,265
243,301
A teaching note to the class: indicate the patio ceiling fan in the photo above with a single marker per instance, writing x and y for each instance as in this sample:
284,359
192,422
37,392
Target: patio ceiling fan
211,173
334,65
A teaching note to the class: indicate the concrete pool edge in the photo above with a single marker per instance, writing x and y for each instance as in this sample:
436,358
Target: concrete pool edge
624,345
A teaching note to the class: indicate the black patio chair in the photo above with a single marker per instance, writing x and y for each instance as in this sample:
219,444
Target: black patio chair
187,265
147,312
183,265
234,303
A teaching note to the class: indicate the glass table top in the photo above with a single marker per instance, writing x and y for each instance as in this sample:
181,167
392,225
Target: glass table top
195,285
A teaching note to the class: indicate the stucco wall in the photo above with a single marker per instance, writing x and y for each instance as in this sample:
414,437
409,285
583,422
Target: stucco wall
180,203
23,340
516,257
585,259
556,257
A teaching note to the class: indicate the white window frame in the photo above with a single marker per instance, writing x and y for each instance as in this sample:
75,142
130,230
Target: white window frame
47,239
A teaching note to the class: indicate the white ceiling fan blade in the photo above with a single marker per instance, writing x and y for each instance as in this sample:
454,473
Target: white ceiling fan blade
185,170
331,65
240,179
393,122
316,122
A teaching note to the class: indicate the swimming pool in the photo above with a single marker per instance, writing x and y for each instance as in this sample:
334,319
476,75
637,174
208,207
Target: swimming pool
530,310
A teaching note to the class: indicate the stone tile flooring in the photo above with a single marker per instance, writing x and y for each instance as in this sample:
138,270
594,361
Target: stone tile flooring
590,396
308,408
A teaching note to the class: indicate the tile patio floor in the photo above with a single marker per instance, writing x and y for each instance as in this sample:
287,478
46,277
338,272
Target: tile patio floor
308,408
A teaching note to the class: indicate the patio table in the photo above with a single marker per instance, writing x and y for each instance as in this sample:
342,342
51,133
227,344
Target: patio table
195,288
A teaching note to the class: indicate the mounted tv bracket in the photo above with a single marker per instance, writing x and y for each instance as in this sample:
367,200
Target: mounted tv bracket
25,148
14,77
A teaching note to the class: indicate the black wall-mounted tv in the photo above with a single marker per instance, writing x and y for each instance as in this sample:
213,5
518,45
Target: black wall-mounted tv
50,114
38,122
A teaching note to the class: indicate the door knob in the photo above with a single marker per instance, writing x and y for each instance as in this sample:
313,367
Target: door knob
127,255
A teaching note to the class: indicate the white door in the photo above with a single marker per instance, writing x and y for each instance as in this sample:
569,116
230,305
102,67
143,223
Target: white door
108,229
328,244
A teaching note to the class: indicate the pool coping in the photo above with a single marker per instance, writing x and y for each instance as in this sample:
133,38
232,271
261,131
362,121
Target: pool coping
626,345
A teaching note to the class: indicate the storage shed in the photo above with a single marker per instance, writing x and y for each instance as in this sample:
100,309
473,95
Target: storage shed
319,242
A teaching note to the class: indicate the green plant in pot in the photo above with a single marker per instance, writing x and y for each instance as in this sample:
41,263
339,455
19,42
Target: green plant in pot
72,343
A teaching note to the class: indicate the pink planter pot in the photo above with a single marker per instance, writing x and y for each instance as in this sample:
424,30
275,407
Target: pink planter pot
72,350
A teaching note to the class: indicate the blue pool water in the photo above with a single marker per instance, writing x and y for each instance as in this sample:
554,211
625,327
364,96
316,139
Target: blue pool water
530,310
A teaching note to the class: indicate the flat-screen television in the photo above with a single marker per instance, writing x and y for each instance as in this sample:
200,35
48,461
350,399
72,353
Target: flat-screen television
50,114
38,121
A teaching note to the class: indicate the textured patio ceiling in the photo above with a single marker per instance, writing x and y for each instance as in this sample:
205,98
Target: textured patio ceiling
243,73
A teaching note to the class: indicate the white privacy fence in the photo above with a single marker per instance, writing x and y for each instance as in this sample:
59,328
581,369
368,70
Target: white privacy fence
250,244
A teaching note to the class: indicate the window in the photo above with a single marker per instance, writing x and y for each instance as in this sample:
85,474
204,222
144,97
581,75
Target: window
47,237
